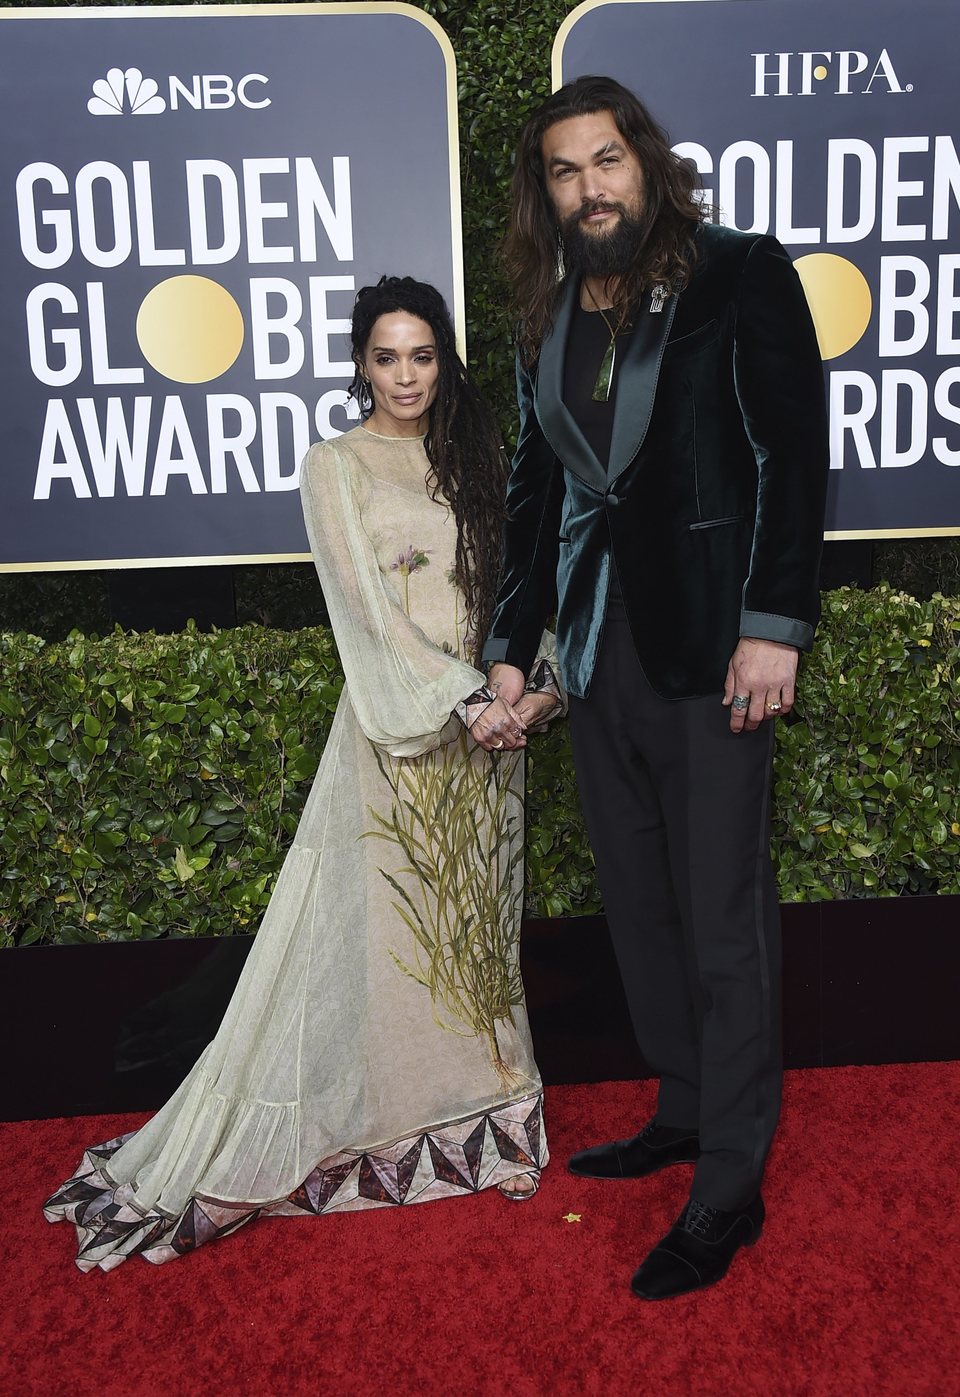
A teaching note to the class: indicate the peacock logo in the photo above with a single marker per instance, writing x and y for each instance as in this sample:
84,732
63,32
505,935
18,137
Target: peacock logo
122,92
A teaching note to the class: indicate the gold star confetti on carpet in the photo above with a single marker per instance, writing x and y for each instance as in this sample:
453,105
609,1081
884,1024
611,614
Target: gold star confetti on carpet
573,1217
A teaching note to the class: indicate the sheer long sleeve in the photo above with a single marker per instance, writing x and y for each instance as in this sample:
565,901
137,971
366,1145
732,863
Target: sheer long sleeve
402,686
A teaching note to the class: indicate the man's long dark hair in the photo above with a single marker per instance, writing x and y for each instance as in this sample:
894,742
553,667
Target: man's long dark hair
664,254
468,466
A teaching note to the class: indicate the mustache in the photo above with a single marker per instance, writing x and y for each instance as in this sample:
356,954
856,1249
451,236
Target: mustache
590,206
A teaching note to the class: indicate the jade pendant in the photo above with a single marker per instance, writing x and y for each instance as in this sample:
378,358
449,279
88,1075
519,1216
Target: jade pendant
601,388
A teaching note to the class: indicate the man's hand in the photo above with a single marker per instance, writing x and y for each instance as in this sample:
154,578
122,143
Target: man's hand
765,673
499,728
507,681
534,707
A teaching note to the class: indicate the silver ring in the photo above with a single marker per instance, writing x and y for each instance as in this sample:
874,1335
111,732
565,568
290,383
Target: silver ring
498,745
740,702
774,707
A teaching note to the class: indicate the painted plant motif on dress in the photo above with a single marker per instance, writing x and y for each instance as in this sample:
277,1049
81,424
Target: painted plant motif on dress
406,563
457,823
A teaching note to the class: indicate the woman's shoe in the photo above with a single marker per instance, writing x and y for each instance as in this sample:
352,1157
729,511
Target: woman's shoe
520,1195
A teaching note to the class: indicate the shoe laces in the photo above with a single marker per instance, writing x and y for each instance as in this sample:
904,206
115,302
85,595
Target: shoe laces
698,1218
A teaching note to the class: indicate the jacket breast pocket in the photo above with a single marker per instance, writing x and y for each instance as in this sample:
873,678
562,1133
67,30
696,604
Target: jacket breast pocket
686,345
718,523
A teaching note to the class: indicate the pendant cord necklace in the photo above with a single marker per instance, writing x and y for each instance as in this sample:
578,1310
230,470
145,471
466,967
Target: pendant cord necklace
604,379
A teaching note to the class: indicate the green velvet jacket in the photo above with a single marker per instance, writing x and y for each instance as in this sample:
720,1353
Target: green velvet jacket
712,504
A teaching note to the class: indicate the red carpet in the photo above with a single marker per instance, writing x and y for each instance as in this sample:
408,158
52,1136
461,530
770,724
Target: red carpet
854,1288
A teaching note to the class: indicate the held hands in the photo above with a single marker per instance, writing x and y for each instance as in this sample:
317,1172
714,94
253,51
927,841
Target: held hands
764,673
503,725
499,727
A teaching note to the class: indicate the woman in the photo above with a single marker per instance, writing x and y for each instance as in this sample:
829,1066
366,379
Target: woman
376,1050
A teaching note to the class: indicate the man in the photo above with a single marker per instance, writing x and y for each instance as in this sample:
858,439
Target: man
668,491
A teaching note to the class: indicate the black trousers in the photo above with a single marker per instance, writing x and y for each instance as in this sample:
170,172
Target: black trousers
677,810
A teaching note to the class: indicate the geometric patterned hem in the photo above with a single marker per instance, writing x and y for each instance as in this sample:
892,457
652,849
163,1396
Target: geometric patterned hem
446,1161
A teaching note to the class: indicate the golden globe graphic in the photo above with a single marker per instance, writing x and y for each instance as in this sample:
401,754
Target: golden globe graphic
839,298
190,329
178,290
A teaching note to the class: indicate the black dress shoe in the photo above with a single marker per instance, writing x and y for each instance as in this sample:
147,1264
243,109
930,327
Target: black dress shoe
697,1250
654,1148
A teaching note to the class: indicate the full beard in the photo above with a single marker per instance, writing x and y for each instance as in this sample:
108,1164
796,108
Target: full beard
607,254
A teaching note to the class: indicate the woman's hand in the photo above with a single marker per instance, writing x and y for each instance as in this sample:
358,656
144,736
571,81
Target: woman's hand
499,728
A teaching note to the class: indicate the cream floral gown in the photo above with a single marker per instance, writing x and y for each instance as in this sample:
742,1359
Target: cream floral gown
376,1050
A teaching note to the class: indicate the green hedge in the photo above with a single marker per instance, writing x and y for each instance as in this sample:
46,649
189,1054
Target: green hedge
150,784
867,788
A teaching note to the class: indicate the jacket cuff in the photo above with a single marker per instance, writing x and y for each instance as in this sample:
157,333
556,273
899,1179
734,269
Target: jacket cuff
507,652
495,652
764,625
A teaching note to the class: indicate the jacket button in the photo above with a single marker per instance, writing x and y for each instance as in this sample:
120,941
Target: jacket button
613,500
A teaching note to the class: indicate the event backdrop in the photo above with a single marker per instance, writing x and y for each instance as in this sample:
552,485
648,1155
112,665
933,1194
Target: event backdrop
188,200
834,127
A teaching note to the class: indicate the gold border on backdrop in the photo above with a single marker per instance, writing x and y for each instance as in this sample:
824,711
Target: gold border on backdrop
556,77
556,61
309,7
948,531
82,565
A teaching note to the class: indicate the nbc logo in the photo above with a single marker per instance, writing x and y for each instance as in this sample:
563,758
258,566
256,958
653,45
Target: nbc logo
122,92
142,94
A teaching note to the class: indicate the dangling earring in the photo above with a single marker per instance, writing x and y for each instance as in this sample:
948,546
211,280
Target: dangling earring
364,395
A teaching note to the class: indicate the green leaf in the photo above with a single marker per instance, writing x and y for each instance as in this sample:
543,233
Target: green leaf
225,833
184,868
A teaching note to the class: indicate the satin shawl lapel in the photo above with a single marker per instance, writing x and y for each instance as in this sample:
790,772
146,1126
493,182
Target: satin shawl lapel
569,444
637,372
